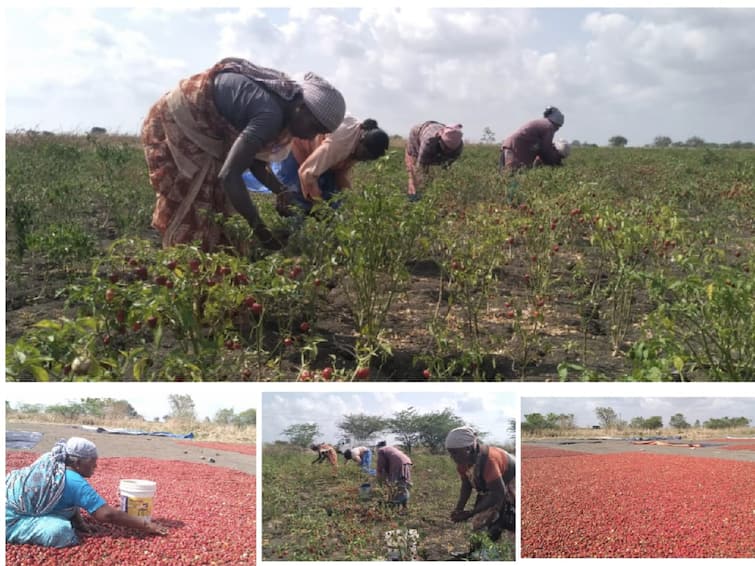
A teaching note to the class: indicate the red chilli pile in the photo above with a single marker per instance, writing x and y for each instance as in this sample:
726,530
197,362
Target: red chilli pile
637,505
210,514
248,449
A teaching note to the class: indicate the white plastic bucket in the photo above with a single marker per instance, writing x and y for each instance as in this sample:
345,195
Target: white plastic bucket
137,497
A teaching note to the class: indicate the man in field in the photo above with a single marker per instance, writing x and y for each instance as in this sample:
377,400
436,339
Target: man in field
491,472
362,456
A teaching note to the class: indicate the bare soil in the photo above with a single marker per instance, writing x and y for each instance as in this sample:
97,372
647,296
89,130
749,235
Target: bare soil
566,335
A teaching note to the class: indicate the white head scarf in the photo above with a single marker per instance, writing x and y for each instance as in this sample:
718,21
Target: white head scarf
462,437
80,447
563,147
324,101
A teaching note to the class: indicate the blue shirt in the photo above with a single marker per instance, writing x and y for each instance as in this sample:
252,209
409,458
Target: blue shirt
78,493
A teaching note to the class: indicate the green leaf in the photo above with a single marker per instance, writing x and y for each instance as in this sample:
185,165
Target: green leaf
40,373
49,324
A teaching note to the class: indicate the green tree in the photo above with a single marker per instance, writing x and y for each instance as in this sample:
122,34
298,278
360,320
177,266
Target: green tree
637,423
618,141
301,434
182,407
695,141
121,409
488,135
31,408
678,421
225,417
662,141
361,427
727,422
607,417
247,417
404,425
654,423
534,422
67,412
434,427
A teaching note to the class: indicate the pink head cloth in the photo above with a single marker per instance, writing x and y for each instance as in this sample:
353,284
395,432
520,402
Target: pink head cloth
452,136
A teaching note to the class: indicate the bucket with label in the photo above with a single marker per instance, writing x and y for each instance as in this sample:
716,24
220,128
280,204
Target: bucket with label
137,497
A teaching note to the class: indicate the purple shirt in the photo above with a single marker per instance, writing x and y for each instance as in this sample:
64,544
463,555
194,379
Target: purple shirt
424,145
532,139
393,464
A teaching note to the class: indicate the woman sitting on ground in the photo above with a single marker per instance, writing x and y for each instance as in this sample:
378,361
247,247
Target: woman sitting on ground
43,499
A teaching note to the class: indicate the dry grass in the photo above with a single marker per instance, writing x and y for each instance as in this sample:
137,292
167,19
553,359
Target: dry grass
689,434
202,430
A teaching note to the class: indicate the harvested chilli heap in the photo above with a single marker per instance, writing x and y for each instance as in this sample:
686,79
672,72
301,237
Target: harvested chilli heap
636,506
210,514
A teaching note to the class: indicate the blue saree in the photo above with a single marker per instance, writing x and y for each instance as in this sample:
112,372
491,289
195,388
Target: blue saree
32,495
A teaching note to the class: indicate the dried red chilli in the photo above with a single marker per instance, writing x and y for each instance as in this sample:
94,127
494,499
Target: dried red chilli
249,449
637,505
209,512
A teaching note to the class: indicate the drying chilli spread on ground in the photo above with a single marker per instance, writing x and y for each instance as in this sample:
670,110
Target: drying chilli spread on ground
210,514
249,449
631,505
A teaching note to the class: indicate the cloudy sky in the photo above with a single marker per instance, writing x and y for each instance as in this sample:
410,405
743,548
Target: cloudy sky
149,399
693,408
487,411
639,73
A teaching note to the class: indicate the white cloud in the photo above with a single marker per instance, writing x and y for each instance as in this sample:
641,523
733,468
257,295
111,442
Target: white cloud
150,400
490,412
638,73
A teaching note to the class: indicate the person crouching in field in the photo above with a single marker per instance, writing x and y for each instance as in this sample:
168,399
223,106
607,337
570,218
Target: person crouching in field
200,138
533,142
491,472
395,469
325,452
319,168
44,498
430,143
362,456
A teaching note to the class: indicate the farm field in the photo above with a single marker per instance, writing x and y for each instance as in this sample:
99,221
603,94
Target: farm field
310,513
208,508
617,499
625,264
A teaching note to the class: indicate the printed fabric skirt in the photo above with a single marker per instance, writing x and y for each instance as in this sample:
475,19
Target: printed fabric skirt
184,174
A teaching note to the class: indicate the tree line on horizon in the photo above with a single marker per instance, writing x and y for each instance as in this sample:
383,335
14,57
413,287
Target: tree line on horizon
488,137
609,419
181,408
411,428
